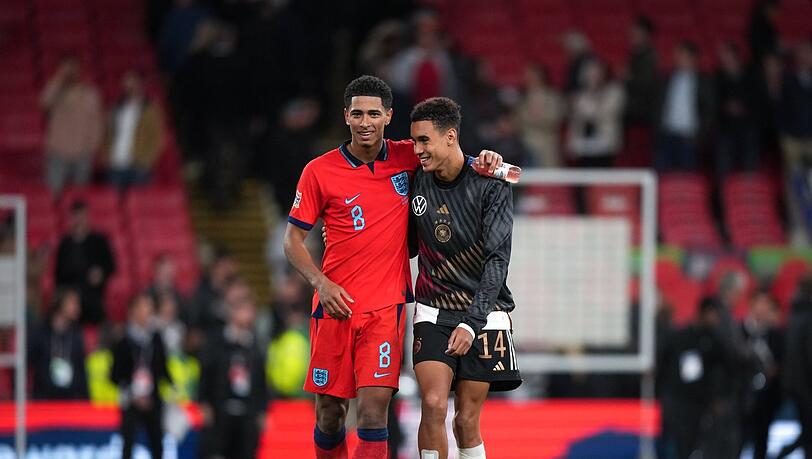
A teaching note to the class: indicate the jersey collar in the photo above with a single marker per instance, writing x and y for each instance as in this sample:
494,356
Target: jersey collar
355,162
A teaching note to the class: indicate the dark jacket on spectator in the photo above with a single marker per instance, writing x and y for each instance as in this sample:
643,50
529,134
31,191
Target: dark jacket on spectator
641,86
53,356
704,103
795,110
126,356
695,365
797,368
740,89
74,259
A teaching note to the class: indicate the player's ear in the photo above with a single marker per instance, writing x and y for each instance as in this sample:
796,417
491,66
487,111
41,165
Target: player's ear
346,117
389,113
451,136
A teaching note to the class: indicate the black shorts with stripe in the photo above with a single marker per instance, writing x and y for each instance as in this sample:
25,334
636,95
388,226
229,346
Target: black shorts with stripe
491,358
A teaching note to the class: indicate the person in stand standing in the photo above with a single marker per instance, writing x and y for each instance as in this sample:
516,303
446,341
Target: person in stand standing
139,364
84,260
233,389
57,352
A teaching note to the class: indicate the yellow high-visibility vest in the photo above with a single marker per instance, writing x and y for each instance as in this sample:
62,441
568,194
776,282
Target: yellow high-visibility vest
286,367
102,391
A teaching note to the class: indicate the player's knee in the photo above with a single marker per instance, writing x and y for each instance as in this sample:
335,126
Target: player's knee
434,406
372,414
466,425
330,415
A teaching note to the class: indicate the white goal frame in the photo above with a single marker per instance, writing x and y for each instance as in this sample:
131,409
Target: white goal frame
643,360
17,360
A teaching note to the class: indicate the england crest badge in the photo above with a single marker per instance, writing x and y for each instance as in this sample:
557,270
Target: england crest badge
320,377
401,183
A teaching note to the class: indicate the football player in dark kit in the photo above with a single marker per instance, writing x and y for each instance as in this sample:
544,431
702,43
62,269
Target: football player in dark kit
462,333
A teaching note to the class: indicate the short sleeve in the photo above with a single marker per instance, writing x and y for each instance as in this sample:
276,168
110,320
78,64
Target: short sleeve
308,203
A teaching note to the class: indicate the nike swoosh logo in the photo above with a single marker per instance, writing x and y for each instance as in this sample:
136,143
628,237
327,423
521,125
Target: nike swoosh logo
380,375
350,200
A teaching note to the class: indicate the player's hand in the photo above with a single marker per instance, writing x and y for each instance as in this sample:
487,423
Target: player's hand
459,343
332,297
491,159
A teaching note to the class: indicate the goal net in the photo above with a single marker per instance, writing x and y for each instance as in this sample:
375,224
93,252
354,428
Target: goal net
582,270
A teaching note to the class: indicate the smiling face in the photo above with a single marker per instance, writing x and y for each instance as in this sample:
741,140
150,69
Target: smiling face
367,118
432,147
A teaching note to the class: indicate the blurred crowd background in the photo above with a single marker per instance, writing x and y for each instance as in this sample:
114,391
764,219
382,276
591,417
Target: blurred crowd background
158,144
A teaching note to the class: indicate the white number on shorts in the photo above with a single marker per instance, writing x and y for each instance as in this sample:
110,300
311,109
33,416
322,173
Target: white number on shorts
384,360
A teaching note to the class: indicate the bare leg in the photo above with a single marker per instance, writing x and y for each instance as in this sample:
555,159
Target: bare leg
434,379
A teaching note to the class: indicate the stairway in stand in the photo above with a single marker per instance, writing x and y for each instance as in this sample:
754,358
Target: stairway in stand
243,230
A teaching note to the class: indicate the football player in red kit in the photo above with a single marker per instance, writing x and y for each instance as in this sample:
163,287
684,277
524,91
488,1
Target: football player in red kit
361,191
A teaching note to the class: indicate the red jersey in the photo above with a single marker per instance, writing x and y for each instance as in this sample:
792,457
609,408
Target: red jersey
365,208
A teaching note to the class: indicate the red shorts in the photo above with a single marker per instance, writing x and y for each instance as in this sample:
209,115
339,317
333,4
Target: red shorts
363,351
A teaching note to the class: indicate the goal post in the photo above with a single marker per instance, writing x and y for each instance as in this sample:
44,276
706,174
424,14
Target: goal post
13,305
572,270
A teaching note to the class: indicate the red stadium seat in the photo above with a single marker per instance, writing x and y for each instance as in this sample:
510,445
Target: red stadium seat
547,200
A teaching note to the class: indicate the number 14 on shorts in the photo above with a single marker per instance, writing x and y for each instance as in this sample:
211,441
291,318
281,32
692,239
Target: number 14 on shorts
384,359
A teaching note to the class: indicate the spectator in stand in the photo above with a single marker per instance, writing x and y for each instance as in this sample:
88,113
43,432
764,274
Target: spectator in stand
208,309
579,51
57,353
762,33
641,74
596,117
164,283
84,260
484,105
737,143
691,364
425,69
508,141
181,28
233,389
769,84
139,365
135,134
168,323
540,113
381,47
795,111
74,111
764,342
183,368
797,368
685,114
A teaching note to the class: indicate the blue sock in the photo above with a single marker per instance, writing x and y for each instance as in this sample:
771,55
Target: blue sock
373,434
328,441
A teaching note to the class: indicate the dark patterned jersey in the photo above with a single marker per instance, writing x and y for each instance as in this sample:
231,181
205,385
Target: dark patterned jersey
464,233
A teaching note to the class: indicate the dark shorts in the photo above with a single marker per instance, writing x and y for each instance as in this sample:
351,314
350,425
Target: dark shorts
491,358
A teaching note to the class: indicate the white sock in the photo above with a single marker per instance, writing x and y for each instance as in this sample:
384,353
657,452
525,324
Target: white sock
429,454
477,452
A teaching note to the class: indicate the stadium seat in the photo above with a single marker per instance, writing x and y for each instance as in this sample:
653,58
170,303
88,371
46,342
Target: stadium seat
546,200
750,205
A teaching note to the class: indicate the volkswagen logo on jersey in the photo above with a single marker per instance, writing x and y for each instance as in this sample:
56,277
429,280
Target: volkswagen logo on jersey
419,205
401,183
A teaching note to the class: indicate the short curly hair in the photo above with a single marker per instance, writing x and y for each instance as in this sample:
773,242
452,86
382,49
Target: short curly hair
443,113
368,85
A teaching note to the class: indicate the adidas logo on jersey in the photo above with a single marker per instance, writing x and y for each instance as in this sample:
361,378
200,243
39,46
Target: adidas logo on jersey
499,367
443,210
